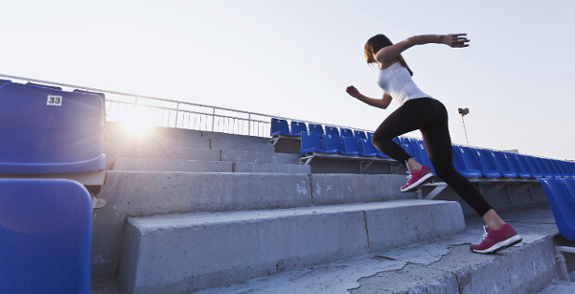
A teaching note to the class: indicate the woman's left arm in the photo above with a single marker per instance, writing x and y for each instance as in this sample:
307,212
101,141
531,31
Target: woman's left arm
387,54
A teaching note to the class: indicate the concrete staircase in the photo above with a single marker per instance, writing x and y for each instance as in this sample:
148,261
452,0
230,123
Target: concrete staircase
191,211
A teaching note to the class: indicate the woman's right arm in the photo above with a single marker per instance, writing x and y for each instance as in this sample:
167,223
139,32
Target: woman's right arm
387,54
382,103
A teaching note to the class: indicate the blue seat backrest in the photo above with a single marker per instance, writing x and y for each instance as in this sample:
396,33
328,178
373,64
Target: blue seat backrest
502,164
408,147
522,165
310,142
536,169
560,201
101,95
469,168
346,132
567,167
549,167
419,147
332,131
331,143
367,148
279,127
350,146
316,129
560,167
44,86
49,131
45,236
359,135
297,128
488,168
2,82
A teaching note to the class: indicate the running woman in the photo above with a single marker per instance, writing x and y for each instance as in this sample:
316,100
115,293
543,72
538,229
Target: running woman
418,110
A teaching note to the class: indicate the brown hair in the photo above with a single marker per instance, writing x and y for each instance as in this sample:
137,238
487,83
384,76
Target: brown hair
375,44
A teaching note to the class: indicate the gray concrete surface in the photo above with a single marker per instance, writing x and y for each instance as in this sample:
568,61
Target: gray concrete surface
179,253
155,164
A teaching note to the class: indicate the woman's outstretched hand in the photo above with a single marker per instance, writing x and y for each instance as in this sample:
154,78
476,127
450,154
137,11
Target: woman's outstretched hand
455,40
352,91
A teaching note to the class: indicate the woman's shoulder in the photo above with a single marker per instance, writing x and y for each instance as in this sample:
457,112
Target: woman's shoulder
390,65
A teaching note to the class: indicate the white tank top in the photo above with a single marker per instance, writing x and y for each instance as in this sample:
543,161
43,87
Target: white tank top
397,83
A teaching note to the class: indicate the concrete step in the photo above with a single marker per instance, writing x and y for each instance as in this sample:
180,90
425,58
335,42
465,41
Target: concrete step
442,266
114,151
189,252
139,193
153,164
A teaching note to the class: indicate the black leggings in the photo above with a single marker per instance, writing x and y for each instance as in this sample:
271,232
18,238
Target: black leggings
429,116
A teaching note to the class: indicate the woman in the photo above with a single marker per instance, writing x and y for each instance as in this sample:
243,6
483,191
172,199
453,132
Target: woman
418,110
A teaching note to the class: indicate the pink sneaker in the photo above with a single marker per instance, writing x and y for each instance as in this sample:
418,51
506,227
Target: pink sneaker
417,178
496,240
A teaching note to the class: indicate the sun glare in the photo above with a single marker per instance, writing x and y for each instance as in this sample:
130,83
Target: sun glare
138,123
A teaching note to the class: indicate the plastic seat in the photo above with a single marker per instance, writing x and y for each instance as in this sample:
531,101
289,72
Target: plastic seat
369,135
310,142
562,204
536,169
332,131
408,147
523,170
468,168
316,129
101,95
568,167
297,128
45,236
44,86
486,163
548,172
367,148
550,167
419,147
2,82
560,167
359,135
331,144
346,133
279,127
62,132
350,146
502,164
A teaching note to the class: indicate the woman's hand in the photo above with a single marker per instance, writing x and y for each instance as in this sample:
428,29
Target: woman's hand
352,91
455,40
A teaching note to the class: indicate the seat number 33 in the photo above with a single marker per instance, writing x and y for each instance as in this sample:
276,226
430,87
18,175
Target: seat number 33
54,100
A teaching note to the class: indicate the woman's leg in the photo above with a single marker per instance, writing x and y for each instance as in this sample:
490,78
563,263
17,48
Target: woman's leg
409,117
438,144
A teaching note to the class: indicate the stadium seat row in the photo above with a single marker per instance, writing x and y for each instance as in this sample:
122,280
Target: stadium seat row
561,196
279,127
469,162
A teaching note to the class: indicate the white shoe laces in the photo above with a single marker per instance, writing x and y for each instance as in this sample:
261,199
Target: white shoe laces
485,232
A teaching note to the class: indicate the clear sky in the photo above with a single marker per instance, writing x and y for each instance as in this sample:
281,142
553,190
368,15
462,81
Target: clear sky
295,58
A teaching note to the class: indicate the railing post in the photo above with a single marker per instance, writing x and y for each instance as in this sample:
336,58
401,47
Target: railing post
213,118
249,124
177,112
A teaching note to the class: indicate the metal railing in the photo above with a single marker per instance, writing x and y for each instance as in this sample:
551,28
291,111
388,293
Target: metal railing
131,108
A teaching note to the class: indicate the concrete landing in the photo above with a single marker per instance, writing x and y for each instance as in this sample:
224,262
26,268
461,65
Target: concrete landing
446,266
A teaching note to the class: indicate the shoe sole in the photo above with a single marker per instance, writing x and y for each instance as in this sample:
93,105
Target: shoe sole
418,183
500,245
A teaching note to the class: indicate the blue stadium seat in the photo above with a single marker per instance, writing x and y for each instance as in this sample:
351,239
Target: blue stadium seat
102,95
45,236
562,205
547,171
367,148
486,163
331,144
346,132
316,129
297,128
44,86
350,146
536,169
560,167
408,147
369,135
419,147
359,135
310,142
279,127
568,167
519,165
502,164
332,131
61,131
2,82
550,167
467,169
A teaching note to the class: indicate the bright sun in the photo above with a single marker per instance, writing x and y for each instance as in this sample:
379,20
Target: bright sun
138,122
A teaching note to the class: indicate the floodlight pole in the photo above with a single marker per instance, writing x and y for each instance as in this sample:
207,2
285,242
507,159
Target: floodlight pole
463,112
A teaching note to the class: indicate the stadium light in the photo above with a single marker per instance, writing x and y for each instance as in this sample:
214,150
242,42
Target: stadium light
464,112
